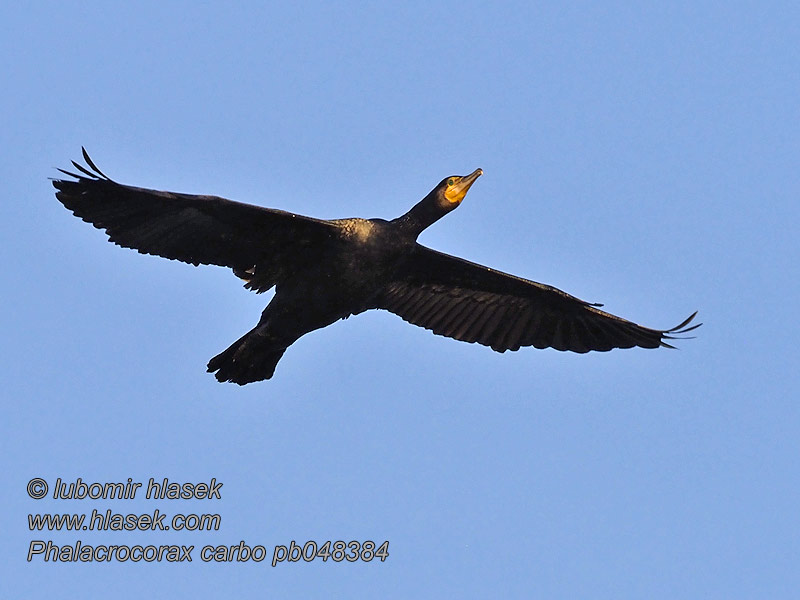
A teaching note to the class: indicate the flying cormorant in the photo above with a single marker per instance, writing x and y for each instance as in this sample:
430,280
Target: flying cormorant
328,270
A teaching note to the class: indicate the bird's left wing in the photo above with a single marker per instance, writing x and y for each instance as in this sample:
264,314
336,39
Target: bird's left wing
259,244
472,303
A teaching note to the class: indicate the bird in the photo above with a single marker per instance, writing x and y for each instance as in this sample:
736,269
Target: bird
326,270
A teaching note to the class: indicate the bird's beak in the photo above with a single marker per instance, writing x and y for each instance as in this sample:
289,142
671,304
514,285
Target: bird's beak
457,192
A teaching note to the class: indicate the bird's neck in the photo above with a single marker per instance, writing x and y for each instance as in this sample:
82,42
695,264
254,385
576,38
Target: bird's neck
421,216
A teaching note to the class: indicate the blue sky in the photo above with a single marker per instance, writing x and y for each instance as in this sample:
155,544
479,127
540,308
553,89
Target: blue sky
644,156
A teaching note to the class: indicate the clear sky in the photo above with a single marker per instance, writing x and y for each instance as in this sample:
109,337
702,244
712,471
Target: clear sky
643,155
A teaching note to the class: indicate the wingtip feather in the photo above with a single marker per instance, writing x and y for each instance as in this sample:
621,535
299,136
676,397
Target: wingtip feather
90,162
679,330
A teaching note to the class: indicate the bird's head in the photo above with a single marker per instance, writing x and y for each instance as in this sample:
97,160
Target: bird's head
441,200
451,191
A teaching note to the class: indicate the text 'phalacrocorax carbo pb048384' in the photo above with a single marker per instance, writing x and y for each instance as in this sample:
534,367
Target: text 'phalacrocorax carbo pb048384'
324,270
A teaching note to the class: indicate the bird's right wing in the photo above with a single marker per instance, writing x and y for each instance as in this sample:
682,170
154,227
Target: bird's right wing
259,244
472,303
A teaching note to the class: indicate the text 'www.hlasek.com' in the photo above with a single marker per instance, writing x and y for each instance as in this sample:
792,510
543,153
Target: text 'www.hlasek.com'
163,490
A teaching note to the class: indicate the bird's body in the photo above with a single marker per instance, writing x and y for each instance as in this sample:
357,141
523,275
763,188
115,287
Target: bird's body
324,271
341,282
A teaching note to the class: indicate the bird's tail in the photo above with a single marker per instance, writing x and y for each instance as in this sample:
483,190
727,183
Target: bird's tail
250,358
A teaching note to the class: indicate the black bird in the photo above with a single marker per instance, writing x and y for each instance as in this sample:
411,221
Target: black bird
328,270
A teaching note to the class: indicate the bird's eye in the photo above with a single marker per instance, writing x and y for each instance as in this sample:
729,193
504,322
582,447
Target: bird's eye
451,181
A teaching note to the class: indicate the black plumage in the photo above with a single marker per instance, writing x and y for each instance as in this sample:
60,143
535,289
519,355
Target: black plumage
324,270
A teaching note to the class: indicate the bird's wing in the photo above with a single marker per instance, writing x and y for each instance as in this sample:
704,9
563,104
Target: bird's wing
473,303
258,243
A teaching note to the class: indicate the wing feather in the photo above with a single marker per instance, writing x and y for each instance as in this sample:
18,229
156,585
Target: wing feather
263,243
473,303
